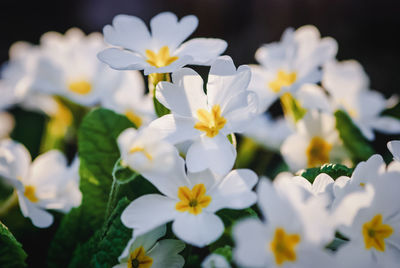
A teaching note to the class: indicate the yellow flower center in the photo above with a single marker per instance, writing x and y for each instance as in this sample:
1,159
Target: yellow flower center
193,200
318,152
134,118
30,193
139,259
375,232
283,79
210,122
138,149
160,59
81,87
283,246
60,121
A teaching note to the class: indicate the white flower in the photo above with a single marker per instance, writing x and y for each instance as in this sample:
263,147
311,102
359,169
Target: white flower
315,142
394,148
290,63
207,119
215,261
190,202
148,251
160,51
291,235
268,132
6,124
347,85
129,98
143,151
374,233
47,183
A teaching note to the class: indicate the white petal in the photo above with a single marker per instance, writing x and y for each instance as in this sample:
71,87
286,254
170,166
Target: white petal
203,50
215,260
185,95
293,151
313,97
46,168
322,183
386,124
166,29
40,217
234,191
394,148
165,254
6,124
121,59
128,32
175,128
148,212
14,160
216,153
199,230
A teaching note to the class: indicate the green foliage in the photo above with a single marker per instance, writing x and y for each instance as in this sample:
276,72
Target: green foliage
225,251
292,108
11,252
352,138
107,244
333,170
336,243
159,108
123,174
98,152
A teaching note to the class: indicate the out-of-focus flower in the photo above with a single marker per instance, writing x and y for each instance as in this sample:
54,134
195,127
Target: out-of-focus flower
147,251
315,142
290,63
190,201
284,239
160,51
128,98
46,183
207,119
394,147
215,261
6,124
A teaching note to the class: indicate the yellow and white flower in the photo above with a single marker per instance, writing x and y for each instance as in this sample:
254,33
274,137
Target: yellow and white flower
145,251
46,183
160,51
290,63
190,202
207,119
315,142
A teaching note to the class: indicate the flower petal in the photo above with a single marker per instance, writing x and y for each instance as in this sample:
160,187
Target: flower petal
121,59
165,254
203,50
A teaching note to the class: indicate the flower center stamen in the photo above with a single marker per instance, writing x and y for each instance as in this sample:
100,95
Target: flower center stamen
375,232
30,193
139,259
138,149
283,246
210,122
318,152
160,59
81,87
283,79
193,200
134,118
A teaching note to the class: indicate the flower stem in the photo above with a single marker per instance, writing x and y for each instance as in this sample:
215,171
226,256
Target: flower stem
112,199
9,203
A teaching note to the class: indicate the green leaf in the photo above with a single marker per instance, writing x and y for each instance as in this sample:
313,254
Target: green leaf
11,253
225,251
159,108
333,170
336,243
292,108
104,248
98,152
352,138
123,174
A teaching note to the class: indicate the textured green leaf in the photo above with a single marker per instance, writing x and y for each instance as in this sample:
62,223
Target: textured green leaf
98,152
352,138
333,170
11,253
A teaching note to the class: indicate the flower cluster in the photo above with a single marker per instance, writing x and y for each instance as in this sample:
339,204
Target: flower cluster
162,173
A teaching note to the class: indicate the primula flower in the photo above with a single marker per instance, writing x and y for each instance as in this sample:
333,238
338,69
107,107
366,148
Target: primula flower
190,202
348,86
6,124
207,119
130,100
143,151
284,239
160,51
290,63
46,183
315,142
375,231
145,251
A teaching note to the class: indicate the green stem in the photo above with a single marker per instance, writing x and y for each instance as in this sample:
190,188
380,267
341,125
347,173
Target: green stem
112,199
9,203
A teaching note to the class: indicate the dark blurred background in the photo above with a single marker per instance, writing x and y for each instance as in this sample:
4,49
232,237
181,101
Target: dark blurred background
365,29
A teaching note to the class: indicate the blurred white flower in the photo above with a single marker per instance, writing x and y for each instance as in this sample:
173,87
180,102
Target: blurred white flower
290,63
394,148
190,202
315,142
129,99
160,51
147,251
46,183
6,124
206,120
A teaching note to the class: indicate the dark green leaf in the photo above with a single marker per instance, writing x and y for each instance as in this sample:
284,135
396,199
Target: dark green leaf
333,170
11,253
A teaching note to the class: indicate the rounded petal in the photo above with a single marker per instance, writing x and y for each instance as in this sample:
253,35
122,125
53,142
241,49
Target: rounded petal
386,124
217,154
46,168
293,151
165,254
203,50
121,59
40,217
313,97
198,230
14,160
394,148
148,212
